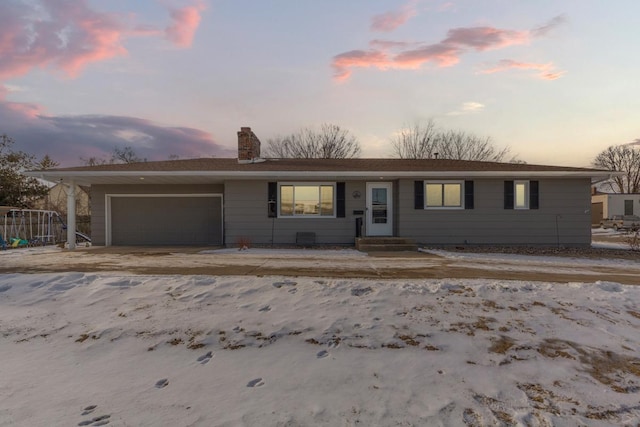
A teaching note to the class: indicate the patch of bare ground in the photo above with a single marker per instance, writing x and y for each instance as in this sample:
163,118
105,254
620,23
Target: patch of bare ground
501,345
498,409
619,372
543,399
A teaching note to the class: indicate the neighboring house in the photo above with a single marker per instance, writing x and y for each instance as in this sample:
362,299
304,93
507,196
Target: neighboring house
605,205
56,200
269,201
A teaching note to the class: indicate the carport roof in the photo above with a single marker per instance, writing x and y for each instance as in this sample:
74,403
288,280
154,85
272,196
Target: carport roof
211,170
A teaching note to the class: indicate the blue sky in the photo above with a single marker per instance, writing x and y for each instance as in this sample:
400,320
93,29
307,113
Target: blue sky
556,81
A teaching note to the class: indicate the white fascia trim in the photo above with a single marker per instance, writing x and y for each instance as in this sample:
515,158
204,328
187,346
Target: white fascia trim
310,174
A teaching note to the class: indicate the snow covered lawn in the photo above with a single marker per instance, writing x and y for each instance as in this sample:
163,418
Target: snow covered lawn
166,350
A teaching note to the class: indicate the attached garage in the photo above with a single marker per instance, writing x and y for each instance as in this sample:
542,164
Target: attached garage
161,219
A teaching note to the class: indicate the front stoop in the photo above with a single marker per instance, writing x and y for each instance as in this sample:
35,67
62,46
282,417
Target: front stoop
385,244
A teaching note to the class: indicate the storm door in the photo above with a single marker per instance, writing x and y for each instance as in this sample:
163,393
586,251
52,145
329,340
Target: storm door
379,209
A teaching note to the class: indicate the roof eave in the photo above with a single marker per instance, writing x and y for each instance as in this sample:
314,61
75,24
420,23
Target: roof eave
89,176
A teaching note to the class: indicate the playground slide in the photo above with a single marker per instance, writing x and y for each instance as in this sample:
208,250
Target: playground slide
78,234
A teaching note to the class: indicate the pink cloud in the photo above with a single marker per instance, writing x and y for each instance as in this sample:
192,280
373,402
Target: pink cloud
546,71
445,53
485,38
343,63
69,35
442,54
64,34
67,139
185,24
389,21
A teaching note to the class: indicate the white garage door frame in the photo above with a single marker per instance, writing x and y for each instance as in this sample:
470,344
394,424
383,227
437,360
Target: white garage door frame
107,206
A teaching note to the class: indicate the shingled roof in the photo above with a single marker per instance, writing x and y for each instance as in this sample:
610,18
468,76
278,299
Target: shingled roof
317,165
214,170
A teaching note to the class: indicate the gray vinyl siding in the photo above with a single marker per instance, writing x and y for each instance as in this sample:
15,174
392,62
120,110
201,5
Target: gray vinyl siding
98,192
563,217
246,217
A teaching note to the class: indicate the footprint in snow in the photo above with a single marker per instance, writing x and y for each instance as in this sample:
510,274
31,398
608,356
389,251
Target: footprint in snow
322,354
102,420
285,283
333,343
5,288
205,358
258,382
265,308
358,292
89,409
162,383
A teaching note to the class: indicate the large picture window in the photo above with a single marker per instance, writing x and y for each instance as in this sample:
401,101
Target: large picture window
443,194
307,200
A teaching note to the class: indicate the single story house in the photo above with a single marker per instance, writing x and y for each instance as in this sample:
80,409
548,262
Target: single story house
222,201
605,205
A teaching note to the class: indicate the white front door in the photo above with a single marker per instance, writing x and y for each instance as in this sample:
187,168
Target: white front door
379,209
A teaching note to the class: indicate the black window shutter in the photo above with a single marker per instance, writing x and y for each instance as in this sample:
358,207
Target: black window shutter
418,194
340,200
534,195
468,194
272,200
508,195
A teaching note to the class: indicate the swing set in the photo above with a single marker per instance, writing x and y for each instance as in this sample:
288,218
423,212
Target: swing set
30,227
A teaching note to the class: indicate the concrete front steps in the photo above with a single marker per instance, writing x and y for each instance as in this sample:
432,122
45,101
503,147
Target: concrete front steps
385,244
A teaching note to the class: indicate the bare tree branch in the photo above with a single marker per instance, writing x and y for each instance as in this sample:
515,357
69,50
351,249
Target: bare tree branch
424,140
416,142
125,154
330,142
624,158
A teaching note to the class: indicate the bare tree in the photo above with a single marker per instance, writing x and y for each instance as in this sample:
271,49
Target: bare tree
416,142
464,146
623,158
424,141
330,142
125,154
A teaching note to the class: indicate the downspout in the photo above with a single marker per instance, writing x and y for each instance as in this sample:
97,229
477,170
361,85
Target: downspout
71,215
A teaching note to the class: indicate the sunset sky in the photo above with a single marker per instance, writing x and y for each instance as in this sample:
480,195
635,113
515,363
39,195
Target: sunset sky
555,80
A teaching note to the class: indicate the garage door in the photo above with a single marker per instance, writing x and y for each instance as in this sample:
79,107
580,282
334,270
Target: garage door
166,220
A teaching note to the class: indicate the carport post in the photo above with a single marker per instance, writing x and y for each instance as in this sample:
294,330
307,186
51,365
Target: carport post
71,215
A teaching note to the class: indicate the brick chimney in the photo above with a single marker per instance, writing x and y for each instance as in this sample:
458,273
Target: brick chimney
248,146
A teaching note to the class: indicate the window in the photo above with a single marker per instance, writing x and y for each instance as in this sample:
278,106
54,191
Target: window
443,194
521,189
307,200
521,195
628,207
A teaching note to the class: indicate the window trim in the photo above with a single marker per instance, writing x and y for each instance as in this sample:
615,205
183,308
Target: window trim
318,184
459,182
527,194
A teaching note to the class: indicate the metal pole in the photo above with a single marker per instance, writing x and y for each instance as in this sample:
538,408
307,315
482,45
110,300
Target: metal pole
71,215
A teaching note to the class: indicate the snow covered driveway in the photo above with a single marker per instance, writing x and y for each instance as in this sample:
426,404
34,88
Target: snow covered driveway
346,263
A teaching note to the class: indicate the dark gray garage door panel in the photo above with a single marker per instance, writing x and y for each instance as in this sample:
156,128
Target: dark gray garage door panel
166,221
